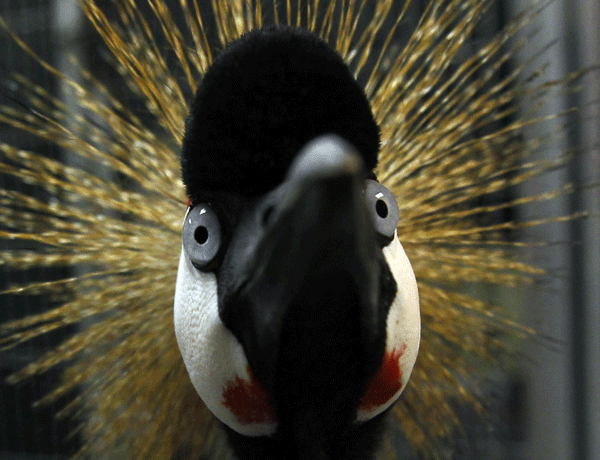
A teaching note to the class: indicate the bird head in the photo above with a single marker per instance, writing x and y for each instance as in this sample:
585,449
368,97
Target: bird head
296,307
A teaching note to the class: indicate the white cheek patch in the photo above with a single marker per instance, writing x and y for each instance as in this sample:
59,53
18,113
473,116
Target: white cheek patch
403,337
214,359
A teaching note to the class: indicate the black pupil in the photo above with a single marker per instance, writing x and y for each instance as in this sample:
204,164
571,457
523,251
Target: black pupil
201,235
381,209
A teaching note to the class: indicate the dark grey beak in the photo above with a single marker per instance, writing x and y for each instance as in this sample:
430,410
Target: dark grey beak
309,239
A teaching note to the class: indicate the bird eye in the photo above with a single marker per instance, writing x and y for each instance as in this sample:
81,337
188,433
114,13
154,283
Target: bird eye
383,208
201,235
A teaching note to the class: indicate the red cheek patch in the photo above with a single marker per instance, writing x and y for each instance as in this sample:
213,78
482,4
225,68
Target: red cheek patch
248,401
386,382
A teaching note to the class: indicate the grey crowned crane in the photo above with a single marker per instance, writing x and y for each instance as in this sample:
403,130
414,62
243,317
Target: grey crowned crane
296,308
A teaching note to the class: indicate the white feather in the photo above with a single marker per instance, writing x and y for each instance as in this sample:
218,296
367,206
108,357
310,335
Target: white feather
403,321
212,355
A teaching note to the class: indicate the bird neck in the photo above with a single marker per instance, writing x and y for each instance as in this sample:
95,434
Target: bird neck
319,382
358,442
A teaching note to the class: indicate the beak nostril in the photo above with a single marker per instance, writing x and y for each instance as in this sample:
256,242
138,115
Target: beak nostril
268,213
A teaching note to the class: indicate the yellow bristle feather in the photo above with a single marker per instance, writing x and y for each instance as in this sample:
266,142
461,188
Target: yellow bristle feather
441,150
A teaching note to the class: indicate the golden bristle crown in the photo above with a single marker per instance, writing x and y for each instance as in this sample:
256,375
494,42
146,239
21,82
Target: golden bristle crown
452,134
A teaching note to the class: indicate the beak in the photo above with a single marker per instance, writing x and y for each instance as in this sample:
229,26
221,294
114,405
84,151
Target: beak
310,238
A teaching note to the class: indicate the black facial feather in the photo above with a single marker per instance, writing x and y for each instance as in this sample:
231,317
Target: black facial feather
265,96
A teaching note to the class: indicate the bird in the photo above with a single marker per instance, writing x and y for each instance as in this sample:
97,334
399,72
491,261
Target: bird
296,308
175,217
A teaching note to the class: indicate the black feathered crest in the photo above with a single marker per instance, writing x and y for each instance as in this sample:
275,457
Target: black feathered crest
265,96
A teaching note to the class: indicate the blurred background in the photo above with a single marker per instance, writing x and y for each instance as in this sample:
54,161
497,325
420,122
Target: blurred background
548,404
